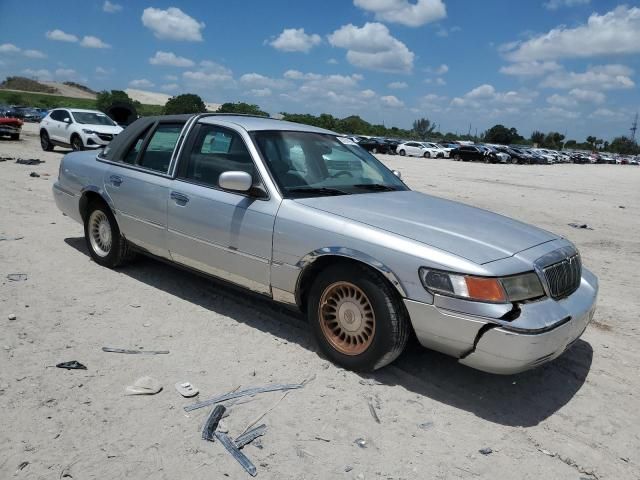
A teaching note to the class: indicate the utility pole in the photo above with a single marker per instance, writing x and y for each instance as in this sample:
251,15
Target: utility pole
634,127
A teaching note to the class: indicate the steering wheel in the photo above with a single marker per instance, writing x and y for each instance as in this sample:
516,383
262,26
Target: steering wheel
341,173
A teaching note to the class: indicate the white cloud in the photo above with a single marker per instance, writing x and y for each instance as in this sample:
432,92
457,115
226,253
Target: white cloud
33,54
599,77
213,67
372,47
609,114
530,69
556,4
332,61
170,87
295,40
587,95
172,24
405,12
41,74
435,81
66,73
171,78
442,69
170,59
9,48
255,80
141,83
443,32
60,36
555,112
104,71
260,92
486,95
109,7
391,101
297,75
89,41
614,33
398,85
208,79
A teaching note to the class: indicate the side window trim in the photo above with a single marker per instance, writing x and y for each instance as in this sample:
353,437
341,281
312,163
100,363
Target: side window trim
145,143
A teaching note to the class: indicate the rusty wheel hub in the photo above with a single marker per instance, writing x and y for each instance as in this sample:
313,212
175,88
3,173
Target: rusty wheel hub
347,318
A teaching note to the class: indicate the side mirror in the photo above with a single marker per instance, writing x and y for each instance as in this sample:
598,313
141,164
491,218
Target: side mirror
397,173
66,120
235,181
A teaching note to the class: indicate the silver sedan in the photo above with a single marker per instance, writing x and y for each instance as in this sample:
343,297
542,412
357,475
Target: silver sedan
310,219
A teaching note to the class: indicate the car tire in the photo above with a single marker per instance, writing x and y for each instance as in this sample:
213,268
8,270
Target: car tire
76,143
402,153
106,244
45,142
427,155
456,157
365,301
15,136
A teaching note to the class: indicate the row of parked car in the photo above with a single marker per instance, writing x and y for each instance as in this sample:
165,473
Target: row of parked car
488,153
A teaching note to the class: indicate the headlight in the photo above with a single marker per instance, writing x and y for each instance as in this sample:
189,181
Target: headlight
483,289
89,132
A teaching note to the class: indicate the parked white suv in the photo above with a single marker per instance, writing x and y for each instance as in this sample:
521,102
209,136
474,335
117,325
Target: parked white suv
76,128
417,149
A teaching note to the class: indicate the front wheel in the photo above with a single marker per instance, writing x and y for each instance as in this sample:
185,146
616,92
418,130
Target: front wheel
402,153
76,143
106,245
456,157
357,318
427,155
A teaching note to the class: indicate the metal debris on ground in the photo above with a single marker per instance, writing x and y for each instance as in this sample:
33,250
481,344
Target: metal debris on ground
486,451
8,239
144,386
243,393
17,277
374,414
22,465
425,425
71,365
210,426
250,436
361,442
12,316
236,453
34,175
582,226
133,352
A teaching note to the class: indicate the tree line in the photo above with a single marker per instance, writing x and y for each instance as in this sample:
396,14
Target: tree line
422,128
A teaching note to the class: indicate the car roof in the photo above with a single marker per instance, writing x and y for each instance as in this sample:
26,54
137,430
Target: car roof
255,123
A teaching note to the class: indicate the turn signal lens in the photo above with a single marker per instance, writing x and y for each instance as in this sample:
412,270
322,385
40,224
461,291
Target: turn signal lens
486,289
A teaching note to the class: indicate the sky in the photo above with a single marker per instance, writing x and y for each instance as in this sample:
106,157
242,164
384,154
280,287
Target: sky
563,65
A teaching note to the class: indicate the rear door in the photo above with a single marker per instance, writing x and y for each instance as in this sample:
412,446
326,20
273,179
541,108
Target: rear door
224,233
139,186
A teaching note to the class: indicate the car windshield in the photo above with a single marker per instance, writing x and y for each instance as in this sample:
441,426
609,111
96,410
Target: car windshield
307,164
92,118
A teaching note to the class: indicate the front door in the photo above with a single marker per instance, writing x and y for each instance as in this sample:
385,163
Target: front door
223,233
139,187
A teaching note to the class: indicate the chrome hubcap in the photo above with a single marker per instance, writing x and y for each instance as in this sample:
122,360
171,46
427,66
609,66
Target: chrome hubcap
100,233
347,318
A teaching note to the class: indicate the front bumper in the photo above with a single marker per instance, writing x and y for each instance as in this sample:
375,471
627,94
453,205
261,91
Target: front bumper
542,331
97,140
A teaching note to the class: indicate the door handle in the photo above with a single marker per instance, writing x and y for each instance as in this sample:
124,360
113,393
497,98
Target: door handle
115,180
179,198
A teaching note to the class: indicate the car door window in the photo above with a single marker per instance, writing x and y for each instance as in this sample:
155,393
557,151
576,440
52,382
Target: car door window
134,149
57,115
214,151
157,155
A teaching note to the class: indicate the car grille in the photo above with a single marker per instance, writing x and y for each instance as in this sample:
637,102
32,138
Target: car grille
563,278
107,137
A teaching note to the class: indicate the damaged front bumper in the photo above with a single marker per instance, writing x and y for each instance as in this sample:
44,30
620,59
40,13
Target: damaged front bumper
505,342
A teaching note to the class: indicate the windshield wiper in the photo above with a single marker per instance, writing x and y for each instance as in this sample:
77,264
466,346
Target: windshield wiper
317,191
375,187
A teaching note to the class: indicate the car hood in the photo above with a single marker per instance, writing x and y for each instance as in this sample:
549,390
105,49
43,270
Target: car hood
472,233
114,130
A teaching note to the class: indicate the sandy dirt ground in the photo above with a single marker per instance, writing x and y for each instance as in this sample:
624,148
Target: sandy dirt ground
576,418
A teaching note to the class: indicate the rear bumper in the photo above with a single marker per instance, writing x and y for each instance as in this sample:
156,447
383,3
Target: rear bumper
498,346
67,202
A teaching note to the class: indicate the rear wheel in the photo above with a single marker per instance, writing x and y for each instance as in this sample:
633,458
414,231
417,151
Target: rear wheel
402,153
456,157
106,245
45,143
427,155
76,143
357,317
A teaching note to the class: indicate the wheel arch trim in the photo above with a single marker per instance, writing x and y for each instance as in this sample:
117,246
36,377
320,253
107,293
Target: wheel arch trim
93,189
310,259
